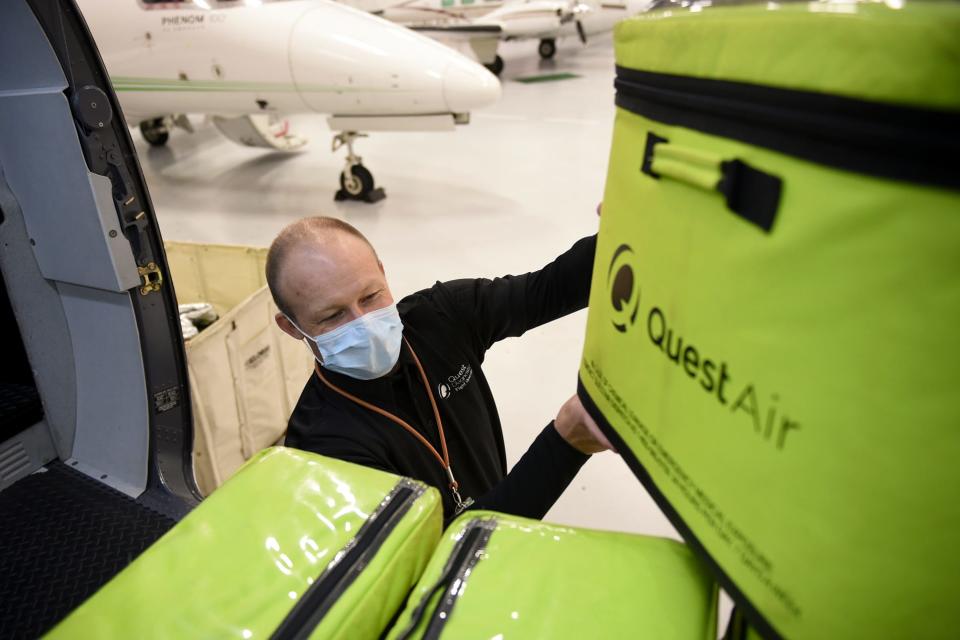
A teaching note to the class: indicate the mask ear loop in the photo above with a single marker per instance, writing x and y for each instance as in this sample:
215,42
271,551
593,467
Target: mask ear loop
295,325
303,336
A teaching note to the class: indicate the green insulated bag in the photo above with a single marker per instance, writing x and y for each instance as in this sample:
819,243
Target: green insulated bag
294,546
499,576
773,341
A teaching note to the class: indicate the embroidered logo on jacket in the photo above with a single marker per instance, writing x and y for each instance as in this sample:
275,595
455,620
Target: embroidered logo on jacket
456,382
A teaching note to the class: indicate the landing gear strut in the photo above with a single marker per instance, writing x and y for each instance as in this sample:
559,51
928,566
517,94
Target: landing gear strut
495,67
356,181
547,48
155,131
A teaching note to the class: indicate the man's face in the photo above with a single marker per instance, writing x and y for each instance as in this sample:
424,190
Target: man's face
328,285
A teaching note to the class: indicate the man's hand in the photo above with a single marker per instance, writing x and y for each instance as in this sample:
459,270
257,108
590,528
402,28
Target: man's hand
577,427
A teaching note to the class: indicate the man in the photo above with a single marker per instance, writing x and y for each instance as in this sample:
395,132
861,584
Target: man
399,385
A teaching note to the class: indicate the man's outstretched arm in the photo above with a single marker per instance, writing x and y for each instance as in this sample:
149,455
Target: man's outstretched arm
509,306
548,467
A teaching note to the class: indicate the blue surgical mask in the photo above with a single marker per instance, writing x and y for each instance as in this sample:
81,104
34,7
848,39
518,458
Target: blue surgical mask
365,348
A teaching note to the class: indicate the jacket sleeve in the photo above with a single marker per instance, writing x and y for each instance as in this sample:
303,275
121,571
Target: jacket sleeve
538,479
491,310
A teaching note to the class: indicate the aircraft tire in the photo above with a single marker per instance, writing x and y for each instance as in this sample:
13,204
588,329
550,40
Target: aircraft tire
154,132
495,67
547,48
361,185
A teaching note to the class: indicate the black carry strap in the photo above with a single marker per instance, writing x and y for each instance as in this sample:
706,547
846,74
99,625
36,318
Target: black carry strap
752,194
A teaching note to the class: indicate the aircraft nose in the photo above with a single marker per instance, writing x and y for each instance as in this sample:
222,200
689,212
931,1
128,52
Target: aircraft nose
468,86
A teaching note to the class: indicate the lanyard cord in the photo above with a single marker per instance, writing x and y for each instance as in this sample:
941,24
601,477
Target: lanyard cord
444,459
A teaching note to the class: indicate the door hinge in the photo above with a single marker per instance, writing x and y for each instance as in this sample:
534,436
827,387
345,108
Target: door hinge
152,278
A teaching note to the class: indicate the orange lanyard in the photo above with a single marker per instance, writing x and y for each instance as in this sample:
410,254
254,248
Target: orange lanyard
443,459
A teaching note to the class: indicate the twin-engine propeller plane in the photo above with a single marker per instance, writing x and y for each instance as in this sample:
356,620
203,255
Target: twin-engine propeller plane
484,23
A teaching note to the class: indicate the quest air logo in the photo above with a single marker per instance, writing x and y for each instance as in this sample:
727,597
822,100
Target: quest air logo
713,375
623,287
456,382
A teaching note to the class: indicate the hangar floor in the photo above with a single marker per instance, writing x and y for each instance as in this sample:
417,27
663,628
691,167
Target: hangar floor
505,194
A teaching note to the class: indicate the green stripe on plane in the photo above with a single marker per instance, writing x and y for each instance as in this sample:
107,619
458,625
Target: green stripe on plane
129,84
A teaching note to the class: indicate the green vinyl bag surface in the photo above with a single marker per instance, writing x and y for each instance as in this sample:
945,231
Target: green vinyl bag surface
295,545
500,576
773,340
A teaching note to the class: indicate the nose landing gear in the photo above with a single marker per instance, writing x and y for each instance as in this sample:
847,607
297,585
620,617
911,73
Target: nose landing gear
356,181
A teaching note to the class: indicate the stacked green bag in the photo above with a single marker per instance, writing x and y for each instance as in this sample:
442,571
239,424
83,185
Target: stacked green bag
295,545
773,337
500,576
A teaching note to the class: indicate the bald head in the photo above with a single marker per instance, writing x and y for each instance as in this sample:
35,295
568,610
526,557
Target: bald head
322,270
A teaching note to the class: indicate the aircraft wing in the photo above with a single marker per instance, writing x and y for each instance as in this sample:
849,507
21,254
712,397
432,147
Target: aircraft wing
466,31
483,38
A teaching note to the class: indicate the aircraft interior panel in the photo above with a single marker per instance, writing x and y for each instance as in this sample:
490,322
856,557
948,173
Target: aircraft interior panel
81,490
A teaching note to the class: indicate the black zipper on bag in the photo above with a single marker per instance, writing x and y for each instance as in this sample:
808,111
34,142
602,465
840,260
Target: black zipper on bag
337,577
464,557
887,141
